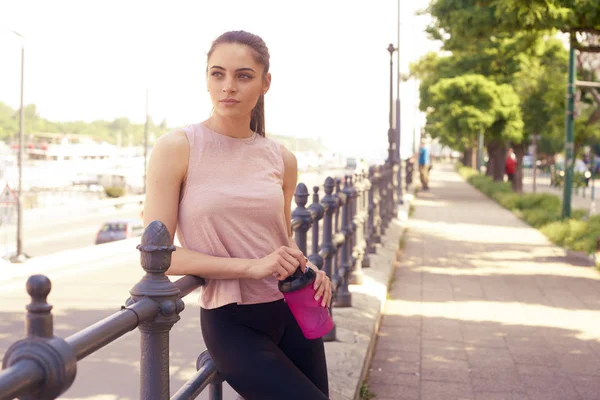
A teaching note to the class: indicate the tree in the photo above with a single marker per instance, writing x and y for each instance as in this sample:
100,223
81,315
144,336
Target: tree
464,106
459,20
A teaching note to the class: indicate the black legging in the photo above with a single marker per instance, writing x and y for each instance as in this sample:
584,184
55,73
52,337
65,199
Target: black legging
260,351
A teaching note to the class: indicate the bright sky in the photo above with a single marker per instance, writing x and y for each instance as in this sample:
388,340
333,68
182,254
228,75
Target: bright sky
88,60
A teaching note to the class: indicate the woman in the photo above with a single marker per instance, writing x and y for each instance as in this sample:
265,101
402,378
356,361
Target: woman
227,189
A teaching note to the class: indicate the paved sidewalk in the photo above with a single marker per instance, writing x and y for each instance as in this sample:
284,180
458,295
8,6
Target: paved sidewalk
484,307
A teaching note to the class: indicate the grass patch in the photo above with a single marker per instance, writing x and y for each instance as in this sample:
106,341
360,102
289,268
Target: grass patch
365,393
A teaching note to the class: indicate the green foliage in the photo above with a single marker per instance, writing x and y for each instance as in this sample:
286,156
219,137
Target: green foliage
513,42
120,129
114,192
463,106
478,20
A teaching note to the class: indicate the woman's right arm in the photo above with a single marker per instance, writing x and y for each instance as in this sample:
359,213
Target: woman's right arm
166,173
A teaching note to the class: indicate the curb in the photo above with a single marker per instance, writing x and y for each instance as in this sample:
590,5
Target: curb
373,342
349,356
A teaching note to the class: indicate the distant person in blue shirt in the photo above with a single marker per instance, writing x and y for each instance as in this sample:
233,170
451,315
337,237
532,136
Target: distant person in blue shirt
424,163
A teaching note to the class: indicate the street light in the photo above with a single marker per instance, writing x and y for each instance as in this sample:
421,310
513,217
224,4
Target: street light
391,133
19,257
398,158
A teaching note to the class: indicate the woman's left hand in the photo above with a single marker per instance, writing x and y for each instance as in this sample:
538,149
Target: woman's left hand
322,286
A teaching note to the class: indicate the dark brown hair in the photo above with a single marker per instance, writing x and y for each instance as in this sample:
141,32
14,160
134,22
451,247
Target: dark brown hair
261,56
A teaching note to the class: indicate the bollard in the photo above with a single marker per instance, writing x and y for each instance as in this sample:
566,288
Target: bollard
410,166
316,212
382,200
364,216
155,255
369,224
356,276
301,219
376,235
328,250
344,298
338,238
49,359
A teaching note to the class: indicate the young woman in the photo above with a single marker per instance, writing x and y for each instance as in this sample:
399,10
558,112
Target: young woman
226,189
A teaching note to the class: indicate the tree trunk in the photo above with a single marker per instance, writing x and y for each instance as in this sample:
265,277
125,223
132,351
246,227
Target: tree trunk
497,159
469,157
517,183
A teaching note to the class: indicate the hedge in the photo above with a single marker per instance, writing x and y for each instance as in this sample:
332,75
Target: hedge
542,211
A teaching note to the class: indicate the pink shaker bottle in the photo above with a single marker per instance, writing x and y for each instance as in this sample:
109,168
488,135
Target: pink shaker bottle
314,320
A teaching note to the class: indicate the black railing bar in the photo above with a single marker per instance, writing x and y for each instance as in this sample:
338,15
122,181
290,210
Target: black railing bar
105,331
188,284
19,379
193,387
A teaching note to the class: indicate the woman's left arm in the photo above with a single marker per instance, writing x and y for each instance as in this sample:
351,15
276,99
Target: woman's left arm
290,178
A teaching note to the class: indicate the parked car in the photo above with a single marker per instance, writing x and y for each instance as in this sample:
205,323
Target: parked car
112,231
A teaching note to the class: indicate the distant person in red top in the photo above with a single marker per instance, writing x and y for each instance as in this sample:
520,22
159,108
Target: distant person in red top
511,165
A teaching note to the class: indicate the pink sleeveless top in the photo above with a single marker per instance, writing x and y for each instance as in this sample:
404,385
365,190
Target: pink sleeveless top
233,206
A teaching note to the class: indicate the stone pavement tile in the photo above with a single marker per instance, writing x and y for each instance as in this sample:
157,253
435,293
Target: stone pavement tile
387,378
493,372
393,356
588,387
575,364
437,332
395,392
540,370
409,334
498,385
549,387
387,344
437,296
516,341
394,366
445,370
402,320
443,350
535,356
433,390
484,338
487,357
500,396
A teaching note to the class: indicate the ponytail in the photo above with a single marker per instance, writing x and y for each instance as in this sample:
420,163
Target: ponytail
257,120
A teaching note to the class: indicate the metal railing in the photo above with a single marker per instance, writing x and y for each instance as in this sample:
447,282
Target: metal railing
355,212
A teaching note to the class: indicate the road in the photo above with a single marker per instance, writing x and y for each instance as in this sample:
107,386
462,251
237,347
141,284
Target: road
53,231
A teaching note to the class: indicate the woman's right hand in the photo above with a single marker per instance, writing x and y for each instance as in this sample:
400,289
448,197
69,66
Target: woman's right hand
281,263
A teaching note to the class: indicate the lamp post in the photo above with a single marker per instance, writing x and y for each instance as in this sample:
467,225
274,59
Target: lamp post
569,136
19,256
398,158
391,133
146,138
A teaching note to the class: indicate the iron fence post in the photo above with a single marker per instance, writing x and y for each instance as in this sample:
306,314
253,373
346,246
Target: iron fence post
155,254
55,361
301,219
356,277
344,298
330,206
316,212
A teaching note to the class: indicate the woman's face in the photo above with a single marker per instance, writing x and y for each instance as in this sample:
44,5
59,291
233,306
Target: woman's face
235,80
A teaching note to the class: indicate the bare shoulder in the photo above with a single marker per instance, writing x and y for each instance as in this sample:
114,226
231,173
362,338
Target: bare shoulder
173,141
171,151
289,159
